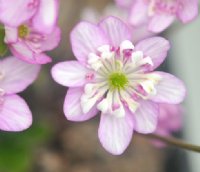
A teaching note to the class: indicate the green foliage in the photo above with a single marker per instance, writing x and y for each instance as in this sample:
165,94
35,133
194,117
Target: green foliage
16,149
3,46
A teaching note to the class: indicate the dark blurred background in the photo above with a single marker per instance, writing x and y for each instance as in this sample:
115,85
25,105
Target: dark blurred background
54,144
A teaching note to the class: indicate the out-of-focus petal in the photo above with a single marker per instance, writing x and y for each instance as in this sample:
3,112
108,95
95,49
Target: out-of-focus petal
52,40
70,73
188,11
115,133
160,22
169,89
15,12
116,30
15,114
46,17
16,75
11,34
72,106
156,48
146,117
86,38
23,52
138,13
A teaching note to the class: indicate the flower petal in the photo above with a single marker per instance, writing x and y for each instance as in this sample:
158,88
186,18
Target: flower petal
70,73
46,17
72,106
116,30
15,114
169,90
11,35
115,133
189,10
160,22
17,75
170,118
138,13
52,40
146,117
156,48
86,38
23,52
15,12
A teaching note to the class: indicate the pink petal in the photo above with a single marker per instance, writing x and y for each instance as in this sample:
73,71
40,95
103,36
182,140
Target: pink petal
116,30
124,3
52,40
85,39
115,133
169,90
15,12
160,22
156,48
70,73
189,10
146,117
141,32
11,34
138,13
170,117
46,17
17,75
23,52
72,106
15,114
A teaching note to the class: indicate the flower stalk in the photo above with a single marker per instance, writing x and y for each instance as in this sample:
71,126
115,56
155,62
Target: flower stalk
172,141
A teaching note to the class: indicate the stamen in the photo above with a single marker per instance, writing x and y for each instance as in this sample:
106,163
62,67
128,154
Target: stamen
23,31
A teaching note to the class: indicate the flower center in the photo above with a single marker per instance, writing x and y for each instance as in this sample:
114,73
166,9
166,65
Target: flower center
117,80
23,31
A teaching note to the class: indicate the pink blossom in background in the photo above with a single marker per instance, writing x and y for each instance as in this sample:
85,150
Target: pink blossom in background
15,76
115,77
43,13
29,45
159,14
32,30
169,121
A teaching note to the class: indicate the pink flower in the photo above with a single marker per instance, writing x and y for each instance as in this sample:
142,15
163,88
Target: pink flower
43,13
159,14
31,28
15,76
27,44
116,78
169,120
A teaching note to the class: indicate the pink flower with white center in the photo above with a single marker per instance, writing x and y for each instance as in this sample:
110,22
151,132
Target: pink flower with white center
43,13
28,44
116,78
169,121
159,14
15,76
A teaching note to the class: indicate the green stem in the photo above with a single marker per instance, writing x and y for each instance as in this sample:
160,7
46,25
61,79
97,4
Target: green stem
173,142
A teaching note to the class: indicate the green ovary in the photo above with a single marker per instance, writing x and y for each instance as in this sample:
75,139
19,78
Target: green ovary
117,80
23,31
